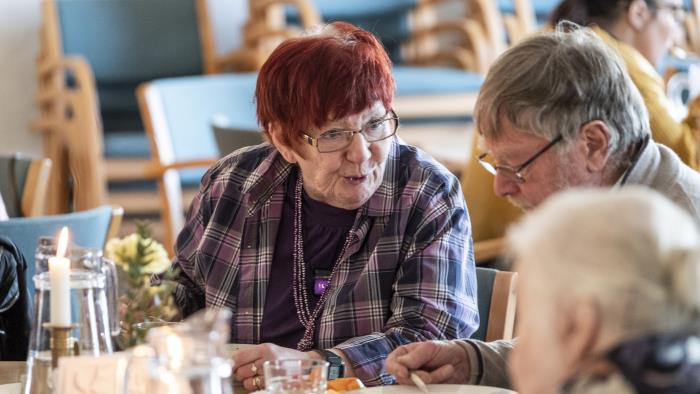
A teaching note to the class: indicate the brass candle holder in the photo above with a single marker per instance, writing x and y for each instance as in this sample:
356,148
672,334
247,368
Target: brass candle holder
62,344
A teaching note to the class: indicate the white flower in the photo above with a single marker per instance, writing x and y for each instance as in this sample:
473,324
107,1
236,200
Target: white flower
157,258
124,250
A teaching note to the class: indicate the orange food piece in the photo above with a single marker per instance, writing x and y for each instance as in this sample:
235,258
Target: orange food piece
345,384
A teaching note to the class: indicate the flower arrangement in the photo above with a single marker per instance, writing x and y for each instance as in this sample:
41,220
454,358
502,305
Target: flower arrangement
139,257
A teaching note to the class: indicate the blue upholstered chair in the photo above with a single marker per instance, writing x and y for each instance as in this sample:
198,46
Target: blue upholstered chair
23,184
127,42
497,302
89,228
178,115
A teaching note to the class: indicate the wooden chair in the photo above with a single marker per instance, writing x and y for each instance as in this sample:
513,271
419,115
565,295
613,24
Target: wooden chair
497,302
93,55
523,17
24,185
178,115
265,29
91,228
68,120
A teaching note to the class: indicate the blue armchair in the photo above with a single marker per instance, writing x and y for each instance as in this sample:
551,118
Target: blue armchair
91,228
93,56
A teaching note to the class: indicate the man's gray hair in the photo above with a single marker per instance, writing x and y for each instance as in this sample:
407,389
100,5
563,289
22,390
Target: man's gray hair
556,82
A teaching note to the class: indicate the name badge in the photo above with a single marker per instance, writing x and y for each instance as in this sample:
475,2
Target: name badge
322,279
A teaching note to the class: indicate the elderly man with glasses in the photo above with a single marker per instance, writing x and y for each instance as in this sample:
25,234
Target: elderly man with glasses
556,111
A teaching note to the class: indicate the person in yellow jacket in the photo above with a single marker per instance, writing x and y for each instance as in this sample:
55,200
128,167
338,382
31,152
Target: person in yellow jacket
642,32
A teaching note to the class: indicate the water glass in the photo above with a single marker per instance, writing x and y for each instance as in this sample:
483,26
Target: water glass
295,376
189,357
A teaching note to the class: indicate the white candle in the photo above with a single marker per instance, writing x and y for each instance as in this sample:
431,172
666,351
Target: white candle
59,274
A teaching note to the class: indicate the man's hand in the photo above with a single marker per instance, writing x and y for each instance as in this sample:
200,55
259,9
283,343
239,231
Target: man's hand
248,362
433,361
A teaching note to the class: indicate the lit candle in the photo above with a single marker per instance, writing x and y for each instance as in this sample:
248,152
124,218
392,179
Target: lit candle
59,274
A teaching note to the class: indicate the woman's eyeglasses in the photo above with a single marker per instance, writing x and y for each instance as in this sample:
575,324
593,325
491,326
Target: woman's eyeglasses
336,139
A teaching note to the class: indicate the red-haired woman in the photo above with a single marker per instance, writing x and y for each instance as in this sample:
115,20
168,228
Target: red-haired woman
335,240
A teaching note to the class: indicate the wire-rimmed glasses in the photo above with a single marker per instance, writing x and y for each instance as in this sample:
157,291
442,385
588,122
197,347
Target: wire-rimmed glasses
336,139
515,173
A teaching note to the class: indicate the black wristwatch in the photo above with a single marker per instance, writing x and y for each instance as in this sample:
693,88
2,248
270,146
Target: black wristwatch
336,366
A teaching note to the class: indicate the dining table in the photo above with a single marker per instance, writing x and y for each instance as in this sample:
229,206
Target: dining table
11,375
12,371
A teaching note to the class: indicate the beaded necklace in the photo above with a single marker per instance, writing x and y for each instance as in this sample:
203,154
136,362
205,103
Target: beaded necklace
306,316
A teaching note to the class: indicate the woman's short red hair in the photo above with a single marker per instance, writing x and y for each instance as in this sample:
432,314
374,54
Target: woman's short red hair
307,81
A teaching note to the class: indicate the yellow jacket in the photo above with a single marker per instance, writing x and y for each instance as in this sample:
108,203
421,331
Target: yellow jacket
490,214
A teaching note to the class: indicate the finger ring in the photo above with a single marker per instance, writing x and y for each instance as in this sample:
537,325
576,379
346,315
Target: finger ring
253,369
256,382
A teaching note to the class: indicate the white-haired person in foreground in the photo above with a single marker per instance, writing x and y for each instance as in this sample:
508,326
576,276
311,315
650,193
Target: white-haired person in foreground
609,297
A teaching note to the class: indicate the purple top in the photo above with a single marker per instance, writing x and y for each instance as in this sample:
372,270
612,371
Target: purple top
324,230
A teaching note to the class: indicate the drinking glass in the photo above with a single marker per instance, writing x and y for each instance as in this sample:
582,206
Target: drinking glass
295,376
189,357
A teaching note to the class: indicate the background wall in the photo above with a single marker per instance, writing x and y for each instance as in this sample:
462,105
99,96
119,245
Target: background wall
19,43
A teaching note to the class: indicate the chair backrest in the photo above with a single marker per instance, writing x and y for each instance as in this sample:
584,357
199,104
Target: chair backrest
23,184
132,40
122,43
88,229
177,114
127,42
539,9
497,302
389,20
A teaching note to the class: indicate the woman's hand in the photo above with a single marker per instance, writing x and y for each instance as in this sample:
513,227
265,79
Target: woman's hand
432,361
248,362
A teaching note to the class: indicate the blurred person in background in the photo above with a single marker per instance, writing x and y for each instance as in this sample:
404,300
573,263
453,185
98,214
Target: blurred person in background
641,32
335,241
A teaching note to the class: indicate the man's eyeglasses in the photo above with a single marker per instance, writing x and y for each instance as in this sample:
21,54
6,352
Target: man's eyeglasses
337,139
515,172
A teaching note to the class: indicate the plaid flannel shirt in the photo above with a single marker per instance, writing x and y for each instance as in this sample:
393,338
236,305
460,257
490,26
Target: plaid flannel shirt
408,274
